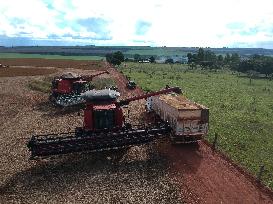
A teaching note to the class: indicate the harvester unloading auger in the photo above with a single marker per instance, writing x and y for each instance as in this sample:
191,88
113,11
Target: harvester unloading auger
104,127
66,89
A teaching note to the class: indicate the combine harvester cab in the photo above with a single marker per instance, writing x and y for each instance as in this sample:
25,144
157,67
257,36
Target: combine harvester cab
189,120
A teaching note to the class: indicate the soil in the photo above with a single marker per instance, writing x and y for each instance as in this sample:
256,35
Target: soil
83,64
154,173
25,71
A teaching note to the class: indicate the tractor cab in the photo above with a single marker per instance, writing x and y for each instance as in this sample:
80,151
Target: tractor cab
131,85
102,112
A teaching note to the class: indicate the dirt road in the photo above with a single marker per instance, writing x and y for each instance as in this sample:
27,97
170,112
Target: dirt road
156,173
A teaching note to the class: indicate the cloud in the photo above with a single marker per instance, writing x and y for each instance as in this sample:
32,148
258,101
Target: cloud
235,25
53,41
156,22
16,21
250,31
142,27
97,26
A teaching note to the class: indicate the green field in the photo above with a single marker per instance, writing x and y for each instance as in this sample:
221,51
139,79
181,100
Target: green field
20,55
240,112
159,51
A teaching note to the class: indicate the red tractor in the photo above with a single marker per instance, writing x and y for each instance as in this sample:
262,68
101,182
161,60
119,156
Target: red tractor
67,89
104,127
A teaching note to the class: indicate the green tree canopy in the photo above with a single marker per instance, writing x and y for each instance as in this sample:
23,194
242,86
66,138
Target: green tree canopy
115,58
169,61
152,59
137,57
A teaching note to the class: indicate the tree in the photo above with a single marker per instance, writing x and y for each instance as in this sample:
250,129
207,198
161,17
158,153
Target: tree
220,58
205,64
227,58
251,75
192,58
210,56
267,67
235,57
115,58
245,66
119,56
201,55
234,60
137,57
109,57
152,59
257,63
189,56
169,61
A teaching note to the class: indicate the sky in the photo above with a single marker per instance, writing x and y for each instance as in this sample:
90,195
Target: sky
172,23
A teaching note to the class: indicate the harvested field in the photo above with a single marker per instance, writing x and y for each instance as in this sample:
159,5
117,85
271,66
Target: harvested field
25,71
156,173
76,64
141,176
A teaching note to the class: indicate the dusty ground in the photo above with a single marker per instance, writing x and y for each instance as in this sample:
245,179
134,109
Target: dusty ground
18,71
156,173
84,64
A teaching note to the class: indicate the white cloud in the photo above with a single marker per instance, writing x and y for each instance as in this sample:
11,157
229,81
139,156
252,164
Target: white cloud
172,22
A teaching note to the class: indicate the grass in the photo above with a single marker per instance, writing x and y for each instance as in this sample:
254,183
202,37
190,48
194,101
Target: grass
240,112
21,55
101,83
159,51
43,86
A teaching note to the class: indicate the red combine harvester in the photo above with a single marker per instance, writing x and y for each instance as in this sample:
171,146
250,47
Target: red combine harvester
104,127
67,89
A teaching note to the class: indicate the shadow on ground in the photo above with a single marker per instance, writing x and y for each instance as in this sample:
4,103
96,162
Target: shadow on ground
50,110
59,174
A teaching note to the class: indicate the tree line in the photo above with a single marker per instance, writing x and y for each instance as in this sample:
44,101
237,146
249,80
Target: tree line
255,63
116,58
207,59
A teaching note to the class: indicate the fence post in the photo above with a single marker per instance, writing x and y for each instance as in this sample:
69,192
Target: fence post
215,141
260,174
